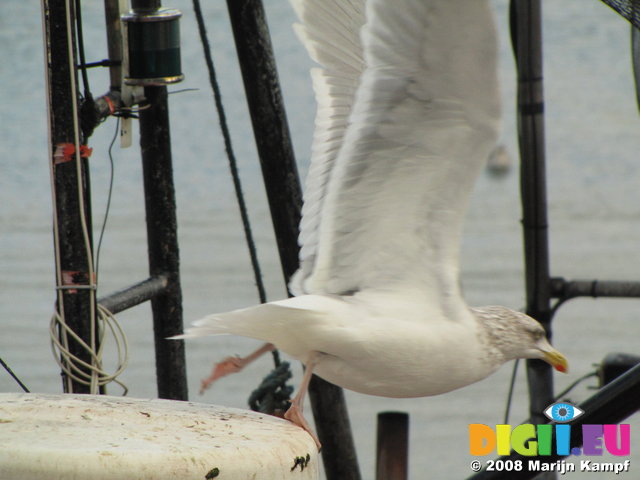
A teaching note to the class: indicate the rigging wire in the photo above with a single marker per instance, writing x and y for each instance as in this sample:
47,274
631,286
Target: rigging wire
232,160
13,375
557,397
81,55
512,384
573,385
109,195
183,90
569,388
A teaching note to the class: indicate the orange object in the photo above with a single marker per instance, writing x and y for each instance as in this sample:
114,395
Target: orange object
65,152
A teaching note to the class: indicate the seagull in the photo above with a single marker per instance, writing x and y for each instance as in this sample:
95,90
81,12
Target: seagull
408,113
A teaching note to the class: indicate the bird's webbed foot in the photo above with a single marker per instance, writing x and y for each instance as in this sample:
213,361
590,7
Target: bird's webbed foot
232,365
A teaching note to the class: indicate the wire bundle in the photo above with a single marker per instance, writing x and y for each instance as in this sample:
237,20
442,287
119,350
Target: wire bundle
90,374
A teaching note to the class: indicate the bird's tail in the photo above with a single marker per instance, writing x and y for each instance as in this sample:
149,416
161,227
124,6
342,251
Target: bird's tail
261,322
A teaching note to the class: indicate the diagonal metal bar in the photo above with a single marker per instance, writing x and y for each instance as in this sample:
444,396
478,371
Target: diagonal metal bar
135,294
284,193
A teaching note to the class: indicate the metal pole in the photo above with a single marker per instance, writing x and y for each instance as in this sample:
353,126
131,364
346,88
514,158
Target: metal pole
162,234
164,259
334,430
527,38
280,174
392,452
270,127
135,294
114,42
568,289
71,248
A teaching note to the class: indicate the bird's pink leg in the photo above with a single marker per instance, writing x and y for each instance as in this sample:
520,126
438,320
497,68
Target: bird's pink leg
294,413
233,365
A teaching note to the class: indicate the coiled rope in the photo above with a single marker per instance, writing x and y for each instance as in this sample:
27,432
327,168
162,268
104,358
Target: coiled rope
90,374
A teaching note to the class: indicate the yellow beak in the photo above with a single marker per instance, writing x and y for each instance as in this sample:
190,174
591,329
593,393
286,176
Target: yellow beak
556,360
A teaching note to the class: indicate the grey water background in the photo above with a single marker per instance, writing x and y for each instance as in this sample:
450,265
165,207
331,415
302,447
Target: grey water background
594,207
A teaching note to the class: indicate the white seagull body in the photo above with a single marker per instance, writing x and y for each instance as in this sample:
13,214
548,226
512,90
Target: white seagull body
408,113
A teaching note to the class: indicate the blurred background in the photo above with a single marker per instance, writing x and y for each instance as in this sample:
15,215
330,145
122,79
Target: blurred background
594,208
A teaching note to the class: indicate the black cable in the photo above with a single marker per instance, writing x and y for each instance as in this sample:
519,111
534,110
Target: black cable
81,55
89,117
109,196
512,383
182,90
8,369
575,384
232,160
569,388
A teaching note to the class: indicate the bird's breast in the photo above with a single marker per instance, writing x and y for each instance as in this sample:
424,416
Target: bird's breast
406,364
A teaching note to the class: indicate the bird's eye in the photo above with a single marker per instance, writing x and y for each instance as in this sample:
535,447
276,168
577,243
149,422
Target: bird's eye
563,412
538,334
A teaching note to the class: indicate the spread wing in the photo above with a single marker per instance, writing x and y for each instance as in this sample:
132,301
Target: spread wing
408,112
330,31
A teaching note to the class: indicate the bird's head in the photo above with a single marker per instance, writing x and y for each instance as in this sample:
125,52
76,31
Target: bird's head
518,335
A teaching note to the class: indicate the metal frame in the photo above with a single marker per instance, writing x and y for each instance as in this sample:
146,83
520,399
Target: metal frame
284,193
611,404
163,286
272,137
527,44
621,398
70,249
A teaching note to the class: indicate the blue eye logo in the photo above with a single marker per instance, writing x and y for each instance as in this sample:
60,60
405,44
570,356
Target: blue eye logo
563,412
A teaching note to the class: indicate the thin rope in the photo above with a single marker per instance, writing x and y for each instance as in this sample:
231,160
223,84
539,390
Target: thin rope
13,375
232,160
512,384
80,186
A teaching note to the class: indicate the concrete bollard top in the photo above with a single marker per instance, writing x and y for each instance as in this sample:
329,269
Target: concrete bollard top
100,437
